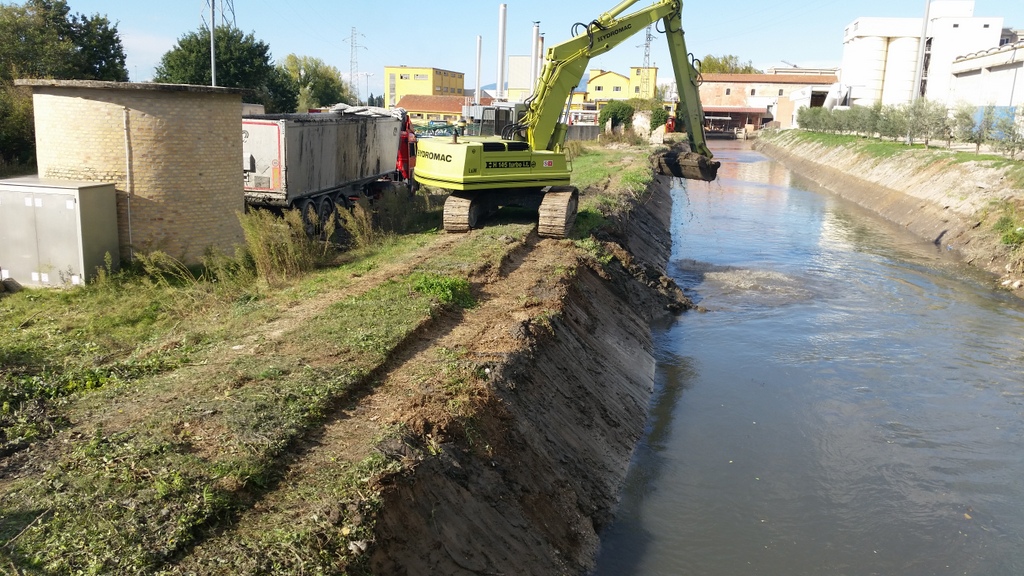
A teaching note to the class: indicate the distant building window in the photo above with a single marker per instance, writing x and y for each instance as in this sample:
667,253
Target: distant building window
636,90
986,26
752,91
616,88
780,91
638,72
728,91
598,88
956,25
421,77
460,90
403,76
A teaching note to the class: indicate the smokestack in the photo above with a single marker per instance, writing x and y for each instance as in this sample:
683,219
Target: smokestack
540,58
479,57
502,20
533,56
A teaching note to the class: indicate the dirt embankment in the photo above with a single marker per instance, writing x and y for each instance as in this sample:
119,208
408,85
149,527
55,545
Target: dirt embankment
952,203
529,489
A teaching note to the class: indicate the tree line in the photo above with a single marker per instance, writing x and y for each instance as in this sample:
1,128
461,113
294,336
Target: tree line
44,39
924,121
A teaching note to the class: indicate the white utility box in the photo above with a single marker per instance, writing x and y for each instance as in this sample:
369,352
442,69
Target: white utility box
56,232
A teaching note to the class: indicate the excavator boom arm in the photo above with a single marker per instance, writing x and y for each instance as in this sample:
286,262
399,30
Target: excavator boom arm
566,63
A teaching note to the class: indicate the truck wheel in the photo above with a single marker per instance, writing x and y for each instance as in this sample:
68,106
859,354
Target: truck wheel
326,212
310,218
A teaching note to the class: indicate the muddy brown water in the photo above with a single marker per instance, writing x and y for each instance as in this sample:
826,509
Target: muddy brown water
851,403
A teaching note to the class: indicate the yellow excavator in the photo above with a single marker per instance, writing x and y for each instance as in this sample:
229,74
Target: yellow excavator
527,166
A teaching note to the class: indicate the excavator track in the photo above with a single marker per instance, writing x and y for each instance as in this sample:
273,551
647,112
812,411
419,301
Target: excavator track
461,212
558,211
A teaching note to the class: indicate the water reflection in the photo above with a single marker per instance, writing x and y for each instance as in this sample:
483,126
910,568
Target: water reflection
851,403
675,375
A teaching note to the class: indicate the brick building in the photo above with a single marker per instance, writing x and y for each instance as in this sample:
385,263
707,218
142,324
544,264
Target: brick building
172,151
752,100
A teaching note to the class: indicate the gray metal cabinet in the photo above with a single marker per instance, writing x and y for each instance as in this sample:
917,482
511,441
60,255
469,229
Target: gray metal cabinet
56,232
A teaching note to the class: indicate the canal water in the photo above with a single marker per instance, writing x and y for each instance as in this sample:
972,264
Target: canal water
851,402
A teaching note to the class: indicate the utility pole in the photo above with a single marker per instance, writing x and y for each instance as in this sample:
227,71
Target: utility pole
915,90
226,6
213,48
919,75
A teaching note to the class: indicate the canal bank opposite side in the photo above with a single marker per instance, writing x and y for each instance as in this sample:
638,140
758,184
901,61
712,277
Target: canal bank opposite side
952,200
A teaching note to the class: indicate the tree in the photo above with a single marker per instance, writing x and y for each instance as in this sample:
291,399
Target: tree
43,39
969,127
319,84
935,121
619,112
242,62
728,64
892,122
1010,132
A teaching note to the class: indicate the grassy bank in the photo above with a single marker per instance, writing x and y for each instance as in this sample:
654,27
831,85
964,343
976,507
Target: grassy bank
984,191
142,414
884,149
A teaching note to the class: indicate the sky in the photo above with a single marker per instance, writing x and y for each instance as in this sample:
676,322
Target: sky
442,34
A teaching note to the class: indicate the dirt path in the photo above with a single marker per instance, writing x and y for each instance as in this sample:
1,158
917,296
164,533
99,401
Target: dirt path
414,393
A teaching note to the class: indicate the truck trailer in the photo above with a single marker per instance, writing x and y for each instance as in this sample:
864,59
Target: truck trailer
318,162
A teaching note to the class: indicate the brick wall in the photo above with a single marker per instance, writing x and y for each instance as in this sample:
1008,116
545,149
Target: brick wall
185,151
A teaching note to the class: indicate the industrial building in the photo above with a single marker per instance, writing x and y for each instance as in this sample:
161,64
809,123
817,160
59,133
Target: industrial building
405,81
994,76
880,55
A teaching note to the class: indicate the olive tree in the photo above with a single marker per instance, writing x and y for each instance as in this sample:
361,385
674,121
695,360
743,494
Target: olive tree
968,126
1010,132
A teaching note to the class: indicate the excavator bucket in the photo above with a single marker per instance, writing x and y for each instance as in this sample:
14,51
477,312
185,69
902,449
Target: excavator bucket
689,165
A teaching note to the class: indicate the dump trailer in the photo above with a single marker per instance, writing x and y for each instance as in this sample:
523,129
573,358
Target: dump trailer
318,162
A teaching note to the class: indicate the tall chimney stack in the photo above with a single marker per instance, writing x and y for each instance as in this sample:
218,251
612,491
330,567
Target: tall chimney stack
502,22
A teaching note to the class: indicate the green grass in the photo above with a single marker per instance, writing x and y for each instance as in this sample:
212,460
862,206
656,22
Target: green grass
885,149
180,429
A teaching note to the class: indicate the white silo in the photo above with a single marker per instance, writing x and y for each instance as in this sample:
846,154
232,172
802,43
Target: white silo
864,59
900,69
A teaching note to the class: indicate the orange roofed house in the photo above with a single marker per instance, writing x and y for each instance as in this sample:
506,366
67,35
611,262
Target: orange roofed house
423,109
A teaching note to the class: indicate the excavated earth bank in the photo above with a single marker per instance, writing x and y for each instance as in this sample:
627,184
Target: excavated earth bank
532,485
952,204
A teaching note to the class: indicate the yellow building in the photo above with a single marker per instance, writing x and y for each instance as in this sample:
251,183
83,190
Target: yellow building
605,85
405,81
